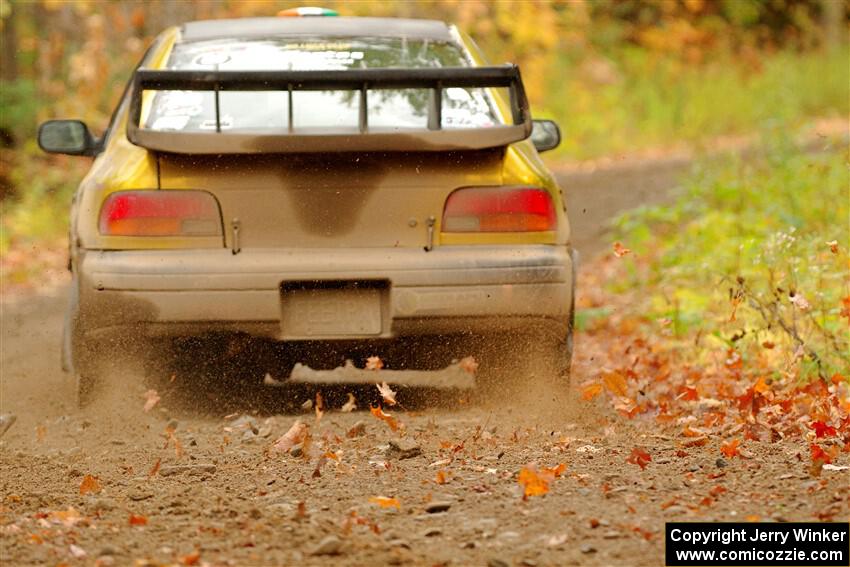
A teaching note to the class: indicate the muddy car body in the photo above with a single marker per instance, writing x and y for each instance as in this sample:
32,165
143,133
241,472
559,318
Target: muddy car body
332,179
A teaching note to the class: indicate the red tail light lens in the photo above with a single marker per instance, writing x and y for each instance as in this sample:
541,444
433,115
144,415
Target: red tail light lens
160,213
499,209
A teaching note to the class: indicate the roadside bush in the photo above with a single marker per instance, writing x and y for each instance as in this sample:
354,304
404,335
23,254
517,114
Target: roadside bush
752,257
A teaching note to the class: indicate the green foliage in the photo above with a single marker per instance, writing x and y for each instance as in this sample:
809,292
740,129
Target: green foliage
19,104
39,211
641,100
743,245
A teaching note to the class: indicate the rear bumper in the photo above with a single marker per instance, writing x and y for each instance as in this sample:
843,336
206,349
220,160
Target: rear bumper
450,289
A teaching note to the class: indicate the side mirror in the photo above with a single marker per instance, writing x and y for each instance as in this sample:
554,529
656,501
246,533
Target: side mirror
545,135
70,137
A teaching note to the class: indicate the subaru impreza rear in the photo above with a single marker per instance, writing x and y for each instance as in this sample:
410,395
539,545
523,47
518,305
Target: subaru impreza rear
322,180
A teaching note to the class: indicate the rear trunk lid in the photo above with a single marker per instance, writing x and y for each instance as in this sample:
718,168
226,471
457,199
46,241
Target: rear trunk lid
339,200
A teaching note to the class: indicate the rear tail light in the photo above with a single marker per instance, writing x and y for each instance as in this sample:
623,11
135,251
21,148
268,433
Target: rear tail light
160,213
499,209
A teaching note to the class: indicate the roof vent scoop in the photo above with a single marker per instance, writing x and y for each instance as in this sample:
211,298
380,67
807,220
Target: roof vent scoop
307,12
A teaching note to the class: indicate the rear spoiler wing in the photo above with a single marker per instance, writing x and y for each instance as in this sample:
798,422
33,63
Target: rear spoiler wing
362,138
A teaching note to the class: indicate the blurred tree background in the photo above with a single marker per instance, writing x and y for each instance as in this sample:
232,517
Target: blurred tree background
619,75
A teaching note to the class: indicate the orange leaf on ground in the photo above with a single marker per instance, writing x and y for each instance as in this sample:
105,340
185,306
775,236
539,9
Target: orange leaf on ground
620,250
67,517
90,485
590,390
688,393
821,429
387,393
555,471
532,483
536,483
752,518
138,520
819,459
639,457
385,417
615,382
191,559
441,477
761,386
730,449
385,502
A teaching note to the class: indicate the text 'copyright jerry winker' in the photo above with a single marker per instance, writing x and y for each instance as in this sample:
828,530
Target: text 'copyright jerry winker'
800,543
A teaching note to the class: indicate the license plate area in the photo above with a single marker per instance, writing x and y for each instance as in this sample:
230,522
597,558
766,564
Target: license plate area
334,309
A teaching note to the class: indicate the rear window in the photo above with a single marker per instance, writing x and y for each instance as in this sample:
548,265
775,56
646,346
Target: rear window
397,109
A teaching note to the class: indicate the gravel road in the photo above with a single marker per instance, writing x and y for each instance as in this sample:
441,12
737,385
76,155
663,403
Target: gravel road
194,481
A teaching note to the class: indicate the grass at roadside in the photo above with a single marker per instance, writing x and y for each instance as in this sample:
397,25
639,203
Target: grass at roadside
34,222
751,254
643,101
726,312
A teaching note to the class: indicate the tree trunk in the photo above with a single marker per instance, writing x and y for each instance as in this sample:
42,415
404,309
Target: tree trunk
9,48
832,17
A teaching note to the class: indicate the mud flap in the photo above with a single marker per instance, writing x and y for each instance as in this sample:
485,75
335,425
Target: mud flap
451,377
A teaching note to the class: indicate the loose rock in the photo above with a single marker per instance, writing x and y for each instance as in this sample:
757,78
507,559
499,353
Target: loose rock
404,449
357,430
437,506
171,470
328,546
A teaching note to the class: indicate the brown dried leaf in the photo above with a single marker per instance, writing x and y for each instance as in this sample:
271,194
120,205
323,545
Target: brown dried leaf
469,364
374,363
151,399
639,457
387,393
615,382
155,468
620,250
288,440
385,417
350,405
320,407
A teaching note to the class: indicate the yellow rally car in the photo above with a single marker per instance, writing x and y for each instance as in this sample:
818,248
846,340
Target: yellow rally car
350,181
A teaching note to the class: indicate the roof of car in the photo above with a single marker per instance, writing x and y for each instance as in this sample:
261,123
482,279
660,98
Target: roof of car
316,26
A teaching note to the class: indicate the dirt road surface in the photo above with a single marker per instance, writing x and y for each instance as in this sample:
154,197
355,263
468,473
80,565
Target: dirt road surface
195,480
